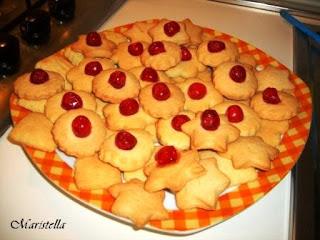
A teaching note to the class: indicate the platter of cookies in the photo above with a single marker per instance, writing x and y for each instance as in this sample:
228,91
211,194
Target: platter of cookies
162,125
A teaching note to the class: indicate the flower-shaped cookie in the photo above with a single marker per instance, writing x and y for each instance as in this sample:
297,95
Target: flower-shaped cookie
194,31
139,32
148,75
114,37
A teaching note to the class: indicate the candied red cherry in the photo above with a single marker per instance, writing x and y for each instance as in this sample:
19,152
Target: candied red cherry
156,48
81,126
39,76
166,155
149,75
93,68
216,46
129,107
117,79
238,73
185,54
93,39
270,95
178,121
234,113
71,100
197,91
171,28
125,140
160,91
210,120
135,49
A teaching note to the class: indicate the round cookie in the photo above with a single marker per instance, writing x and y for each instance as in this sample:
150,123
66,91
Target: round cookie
161,100
161,55
217,51
115,85
148,75
79,132
67,100
38,85
235,81
199,95
127,150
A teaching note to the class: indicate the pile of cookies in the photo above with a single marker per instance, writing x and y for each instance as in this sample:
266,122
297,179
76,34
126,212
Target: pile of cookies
163,106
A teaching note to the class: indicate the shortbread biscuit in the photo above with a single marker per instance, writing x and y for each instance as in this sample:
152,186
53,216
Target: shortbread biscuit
217,51
203,192
114,37
235,81
74,57
161,55
33,105
79,132
250,152
67,100
205,75
90,173
136,204
115,85
127,150
161,100
199,95
100,106
194,31
137,174
248,59
34,131
139,32
171,31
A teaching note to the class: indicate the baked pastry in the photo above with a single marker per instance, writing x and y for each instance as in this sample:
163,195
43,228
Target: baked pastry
74,57
250,152
210,131
247,59
241,116
127,55
137,174
137,204
169,130
100,106
32,105
115,85
203,192
90,173
128,114
127,150
235,81
214,52
79,132
161,55
189,65
38,85
67,100
81,76
274,105
170,31
161,100
194,31
114,37
199,95
34,131
167,163
205,75
148,75
139,32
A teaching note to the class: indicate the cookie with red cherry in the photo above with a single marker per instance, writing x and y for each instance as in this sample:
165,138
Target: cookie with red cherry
115,85
235,81
169,130
161,55
161,100
216,51
127,55
168,162
139,32
128,114
199,95
128,150
272,104
68,100
209,130
79,132
171,31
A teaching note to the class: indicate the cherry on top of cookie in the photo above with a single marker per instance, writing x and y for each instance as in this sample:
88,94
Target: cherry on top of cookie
178,120
117,79
93,39
39,76
125,140
135,49
197,91
166,155
171,28
210,120
93,68
270,95
149,75
234,113
215,46
156,47
81,126
129,107
71,100
161,91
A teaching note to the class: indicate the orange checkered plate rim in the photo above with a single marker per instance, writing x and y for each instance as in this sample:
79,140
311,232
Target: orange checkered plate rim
182,222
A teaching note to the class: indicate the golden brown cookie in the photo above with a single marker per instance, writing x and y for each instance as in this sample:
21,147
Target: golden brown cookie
100,106
90,173
235,81
137,174
194,31
139,32
33,105
161,100
74,57
79,132
248,59
205,75
34,130
114,37
115,85
136,204
127,150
